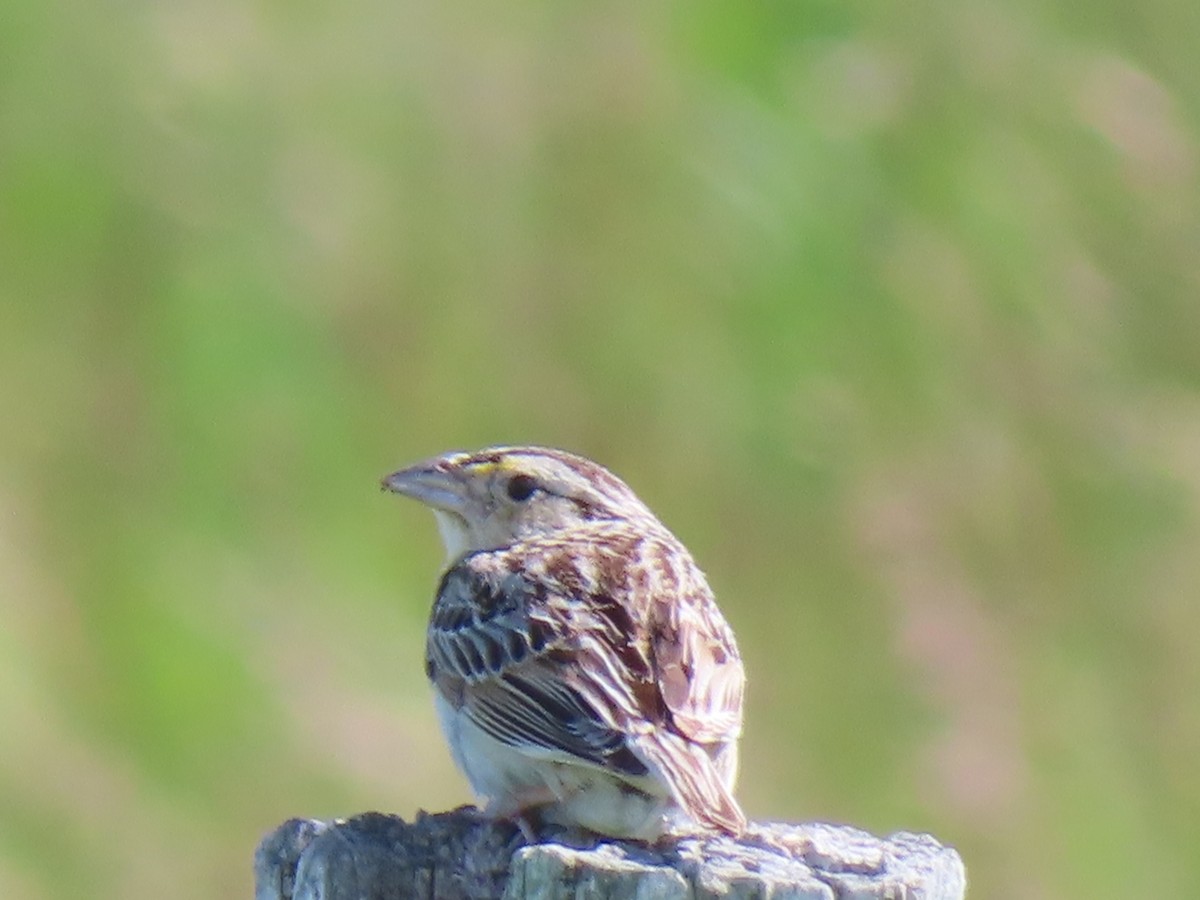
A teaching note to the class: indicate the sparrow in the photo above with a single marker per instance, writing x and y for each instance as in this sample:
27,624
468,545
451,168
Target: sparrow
581,669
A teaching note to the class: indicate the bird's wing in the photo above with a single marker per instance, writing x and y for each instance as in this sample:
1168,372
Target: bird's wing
653,652
699,669
698,677
496,655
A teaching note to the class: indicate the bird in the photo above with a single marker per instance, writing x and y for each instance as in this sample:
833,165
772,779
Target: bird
581,670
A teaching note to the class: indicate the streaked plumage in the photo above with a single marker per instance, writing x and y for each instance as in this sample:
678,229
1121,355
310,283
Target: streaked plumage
579,660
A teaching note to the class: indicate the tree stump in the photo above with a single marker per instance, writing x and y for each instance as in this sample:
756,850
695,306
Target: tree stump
460,854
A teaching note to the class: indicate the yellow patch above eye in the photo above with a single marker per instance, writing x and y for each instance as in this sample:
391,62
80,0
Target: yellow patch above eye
487,467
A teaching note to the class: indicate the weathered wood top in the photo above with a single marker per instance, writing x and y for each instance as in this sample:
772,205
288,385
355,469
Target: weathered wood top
461,855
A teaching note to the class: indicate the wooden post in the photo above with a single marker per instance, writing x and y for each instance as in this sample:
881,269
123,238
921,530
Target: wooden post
461,855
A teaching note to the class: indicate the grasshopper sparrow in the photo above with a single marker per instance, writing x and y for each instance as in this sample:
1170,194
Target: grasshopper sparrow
580,665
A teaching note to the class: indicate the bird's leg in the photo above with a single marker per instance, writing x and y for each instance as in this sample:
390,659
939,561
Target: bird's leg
527,830
516,808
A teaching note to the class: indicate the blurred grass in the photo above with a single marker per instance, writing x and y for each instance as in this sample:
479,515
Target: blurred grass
890,311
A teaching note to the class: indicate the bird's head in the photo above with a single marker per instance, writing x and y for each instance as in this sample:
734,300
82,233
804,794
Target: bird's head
494,497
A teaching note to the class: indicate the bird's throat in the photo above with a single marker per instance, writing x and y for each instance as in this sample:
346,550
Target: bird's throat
456,536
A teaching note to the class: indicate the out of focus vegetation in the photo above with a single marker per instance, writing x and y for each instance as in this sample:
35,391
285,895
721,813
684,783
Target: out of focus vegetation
891,310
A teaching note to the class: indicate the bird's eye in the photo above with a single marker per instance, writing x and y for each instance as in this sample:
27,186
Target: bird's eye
521,487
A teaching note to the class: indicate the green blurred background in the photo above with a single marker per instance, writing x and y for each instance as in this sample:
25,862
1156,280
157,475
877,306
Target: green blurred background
890,310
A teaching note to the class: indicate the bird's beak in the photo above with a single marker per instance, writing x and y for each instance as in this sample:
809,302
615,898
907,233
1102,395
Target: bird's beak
431,483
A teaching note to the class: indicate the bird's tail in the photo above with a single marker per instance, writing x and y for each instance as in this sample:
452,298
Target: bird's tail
694,781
